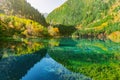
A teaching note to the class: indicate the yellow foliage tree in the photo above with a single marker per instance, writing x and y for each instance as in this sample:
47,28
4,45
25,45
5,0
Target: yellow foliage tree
53,31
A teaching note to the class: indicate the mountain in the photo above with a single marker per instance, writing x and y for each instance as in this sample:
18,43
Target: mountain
45,14
21,8
95,18
75,12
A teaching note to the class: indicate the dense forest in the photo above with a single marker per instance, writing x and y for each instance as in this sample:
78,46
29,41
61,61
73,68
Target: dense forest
80,12
15,27
89,18
81,18
21,8
18,19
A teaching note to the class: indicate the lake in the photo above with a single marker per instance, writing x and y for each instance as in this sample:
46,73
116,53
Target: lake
59,59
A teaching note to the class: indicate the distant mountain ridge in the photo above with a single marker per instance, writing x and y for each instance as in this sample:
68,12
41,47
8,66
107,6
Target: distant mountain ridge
45,14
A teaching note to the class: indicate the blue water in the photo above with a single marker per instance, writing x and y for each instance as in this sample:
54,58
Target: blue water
59,59
48,69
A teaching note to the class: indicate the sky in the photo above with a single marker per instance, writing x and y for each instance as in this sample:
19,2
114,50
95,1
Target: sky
46,6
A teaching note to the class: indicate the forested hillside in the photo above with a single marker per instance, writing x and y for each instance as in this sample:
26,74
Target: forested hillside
21,8
76,18
96,18
14,27
75,12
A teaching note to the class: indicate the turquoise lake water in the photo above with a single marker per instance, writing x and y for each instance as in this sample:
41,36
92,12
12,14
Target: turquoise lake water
59,59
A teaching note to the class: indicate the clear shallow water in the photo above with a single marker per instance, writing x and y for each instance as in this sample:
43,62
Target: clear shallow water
48,69
59,59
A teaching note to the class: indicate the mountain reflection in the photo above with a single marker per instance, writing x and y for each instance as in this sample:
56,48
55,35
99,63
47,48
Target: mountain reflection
98,59
67,59
48,69
14,67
